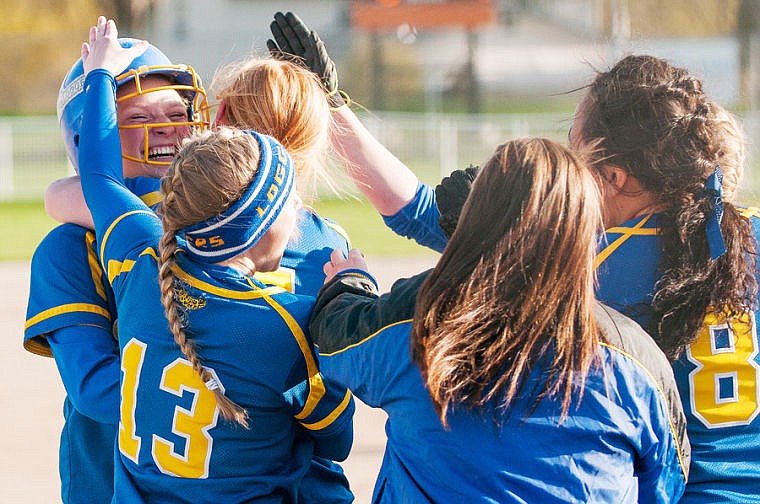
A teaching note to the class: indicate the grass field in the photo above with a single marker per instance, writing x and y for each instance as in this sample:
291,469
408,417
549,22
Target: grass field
24,224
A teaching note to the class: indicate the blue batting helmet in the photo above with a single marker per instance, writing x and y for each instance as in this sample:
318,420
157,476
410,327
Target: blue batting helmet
183,79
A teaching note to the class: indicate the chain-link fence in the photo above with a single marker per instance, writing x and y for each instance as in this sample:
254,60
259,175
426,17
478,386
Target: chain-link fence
32,153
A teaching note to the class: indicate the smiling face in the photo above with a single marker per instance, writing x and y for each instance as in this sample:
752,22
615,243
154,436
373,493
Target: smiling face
149,117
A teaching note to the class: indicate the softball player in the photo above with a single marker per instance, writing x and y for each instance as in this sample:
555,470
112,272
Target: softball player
71,311
196,292
494,402
86,444
680,258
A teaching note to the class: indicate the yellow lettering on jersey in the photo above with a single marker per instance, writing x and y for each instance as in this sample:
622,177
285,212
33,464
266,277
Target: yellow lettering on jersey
192,425
724,385
132,357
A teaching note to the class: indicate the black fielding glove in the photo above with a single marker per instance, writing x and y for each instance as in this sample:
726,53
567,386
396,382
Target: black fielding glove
294,41
450,196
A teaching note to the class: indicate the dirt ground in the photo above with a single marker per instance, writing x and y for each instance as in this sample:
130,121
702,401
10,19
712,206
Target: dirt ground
31,401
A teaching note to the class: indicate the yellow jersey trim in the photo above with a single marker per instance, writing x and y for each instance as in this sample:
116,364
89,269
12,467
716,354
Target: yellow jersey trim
152,198
329,419
67,308
358,343
316,385
626,233
95,268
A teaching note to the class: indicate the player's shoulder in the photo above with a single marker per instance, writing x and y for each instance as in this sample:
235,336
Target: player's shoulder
62,242
625,335
313,224
632,347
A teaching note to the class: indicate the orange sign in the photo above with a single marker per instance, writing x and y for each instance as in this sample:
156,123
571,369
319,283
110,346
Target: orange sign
389,14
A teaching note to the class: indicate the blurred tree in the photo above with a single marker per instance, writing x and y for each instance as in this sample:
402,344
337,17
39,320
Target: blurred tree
132,15
42,38
673,18
748,35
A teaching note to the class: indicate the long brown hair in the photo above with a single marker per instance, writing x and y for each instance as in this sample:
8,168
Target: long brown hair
210,172
655,121
515,283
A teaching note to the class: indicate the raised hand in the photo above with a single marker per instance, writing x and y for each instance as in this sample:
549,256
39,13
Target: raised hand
104,50
450,196
338,263
294,41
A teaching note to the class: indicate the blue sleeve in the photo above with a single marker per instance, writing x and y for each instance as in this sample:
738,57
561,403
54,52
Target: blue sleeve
372,367
658,469
88,362
324,408
123,223
418,220
70,316
67,287
147,188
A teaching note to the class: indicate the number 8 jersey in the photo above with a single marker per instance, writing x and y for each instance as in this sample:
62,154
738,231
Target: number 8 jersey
718,376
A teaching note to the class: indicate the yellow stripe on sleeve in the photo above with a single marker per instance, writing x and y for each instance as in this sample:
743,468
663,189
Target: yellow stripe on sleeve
67,308
115,268
329,419
95,269
152,198
358,343
113,225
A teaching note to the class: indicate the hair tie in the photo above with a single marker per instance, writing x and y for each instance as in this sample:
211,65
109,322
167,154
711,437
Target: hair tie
238,228
714,192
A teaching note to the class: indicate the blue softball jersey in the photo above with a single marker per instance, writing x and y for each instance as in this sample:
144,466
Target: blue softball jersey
623,442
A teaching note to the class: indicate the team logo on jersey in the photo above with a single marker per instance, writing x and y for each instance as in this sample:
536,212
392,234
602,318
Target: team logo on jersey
189,301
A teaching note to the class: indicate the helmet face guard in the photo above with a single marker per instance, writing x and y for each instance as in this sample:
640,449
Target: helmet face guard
185,81
182,78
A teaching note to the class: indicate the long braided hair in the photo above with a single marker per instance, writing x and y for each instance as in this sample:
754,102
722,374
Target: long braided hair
654,120
210,172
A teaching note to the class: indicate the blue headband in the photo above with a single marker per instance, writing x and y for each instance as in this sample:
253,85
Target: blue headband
714,191
240,226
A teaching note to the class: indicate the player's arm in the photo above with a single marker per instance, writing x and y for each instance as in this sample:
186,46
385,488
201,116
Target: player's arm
87,358
386,182
321,406
348,307
69,317
123,223
64,202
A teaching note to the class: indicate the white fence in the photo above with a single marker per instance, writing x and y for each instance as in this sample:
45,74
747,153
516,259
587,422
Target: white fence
32,153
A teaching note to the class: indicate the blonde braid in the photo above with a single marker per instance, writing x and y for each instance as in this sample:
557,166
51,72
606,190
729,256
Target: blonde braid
167,249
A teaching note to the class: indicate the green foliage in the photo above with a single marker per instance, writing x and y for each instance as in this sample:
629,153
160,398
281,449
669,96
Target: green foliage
683,18
23,225
366,229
